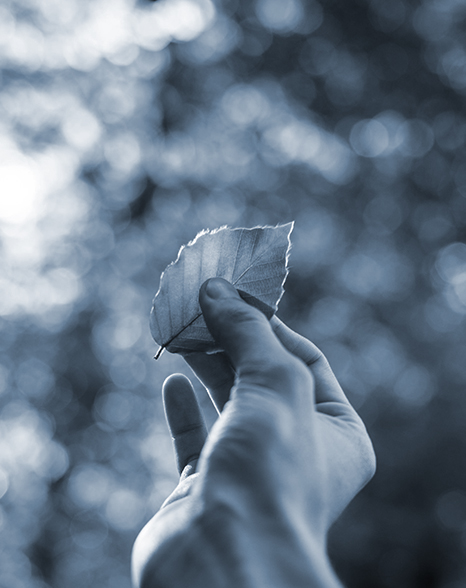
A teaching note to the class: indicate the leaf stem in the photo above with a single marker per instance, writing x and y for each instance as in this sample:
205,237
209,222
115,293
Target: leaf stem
249,298
159,352
175,336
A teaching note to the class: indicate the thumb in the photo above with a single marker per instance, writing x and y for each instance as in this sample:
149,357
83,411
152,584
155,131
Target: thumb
245,334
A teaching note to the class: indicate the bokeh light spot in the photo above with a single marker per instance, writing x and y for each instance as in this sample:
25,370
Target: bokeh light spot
369,138
125,509
281,16
90,485
81,129
415,138
214,44
415,385
22,190
115,408
451,263
244,104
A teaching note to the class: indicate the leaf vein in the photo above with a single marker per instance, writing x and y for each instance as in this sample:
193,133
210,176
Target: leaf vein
237,252
258,249
255,265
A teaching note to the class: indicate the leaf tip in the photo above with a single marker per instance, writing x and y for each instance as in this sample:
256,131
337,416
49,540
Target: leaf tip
288,226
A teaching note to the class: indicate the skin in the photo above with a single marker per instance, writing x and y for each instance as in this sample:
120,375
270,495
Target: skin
287,454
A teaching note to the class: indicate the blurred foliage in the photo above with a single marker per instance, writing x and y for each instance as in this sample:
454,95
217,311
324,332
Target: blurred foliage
125,128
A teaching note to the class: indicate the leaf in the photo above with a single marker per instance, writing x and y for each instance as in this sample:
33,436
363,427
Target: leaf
253,260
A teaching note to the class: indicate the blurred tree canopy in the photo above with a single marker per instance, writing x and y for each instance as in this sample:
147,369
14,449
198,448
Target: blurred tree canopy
127,127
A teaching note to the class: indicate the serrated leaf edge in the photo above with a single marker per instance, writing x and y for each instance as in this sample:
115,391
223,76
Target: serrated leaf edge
213,232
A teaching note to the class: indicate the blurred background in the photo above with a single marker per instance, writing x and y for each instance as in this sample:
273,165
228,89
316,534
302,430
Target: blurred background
125,128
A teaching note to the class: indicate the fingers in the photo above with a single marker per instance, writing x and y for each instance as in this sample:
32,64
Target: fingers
216,373
184,419
255,346
246,335
327,388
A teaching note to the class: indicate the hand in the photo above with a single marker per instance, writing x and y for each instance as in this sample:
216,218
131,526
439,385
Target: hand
285,457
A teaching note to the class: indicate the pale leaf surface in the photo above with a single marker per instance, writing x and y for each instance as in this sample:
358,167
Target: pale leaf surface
253,260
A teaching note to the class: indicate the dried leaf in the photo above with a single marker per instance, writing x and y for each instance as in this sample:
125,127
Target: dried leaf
253,260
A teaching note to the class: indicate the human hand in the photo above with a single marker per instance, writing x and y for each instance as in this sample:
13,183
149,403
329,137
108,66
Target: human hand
285,457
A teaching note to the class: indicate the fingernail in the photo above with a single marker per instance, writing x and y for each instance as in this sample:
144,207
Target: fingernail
219,288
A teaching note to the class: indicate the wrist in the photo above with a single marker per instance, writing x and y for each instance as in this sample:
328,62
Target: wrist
297,557
272,551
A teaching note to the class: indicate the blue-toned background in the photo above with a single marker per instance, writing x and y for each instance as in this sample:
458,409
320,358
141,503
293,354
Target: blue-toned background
125,128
